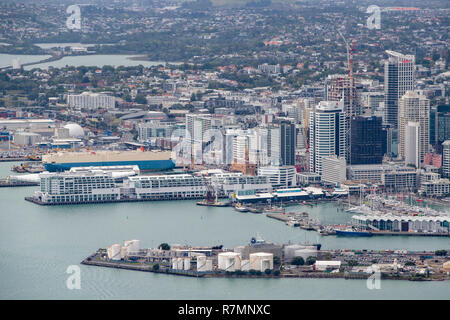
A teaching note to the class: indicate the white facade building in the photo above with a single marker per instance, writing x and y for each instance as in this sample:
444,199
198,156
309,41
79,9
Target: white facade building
334,170
279,176
414,107
446,159
327,133
412,144
89,100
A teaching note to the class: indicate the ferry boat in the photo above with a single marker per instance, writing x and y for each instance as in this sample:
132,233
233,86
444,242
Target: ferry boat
146,160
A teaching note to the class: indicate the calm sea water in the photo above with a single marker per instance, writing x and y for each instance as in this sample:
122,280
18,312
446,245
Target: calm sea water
37,244
7,59
99,60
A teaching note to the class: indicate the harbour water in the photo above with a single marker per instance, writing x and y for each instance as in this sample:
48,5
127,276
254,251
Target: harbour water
99,60
38,243
7,59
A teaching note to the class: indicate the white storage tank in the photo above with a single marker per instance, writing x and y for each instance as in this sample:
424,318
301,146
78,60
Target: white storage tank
245,265
123,252
240,249
229,261
133,246
203,264
187,264
177,263
114,252
261,261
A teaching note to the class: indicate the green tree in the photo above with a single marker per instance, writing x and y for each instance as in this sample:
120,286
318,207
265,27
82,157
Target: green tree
140,99
155,267
164,246
352,263
298,261
310,260
276,260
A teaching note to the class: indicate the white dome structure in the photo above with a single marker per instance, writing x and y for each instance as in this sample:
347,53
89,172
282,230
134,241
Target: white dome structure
75,130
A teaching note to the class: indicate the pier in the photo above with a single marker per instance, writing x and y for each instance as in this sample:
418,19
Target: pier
5,183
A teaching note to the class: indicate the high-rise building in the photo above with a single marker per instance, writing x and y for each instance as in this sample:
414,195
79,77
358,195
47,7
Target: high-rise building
367,140
446,159
288,137
398,78
343,86
414,107
442,123
327,133
412,144
196,127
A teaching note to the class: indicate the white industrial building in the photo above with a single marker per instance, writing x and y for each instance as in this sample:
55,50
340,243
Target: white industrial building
30,124
26,138
431,224
326,265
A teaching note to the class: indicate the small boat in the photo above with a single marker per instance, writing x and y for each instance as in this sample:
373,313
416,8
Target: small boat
213,203
293,223
254,210
419,200
240,208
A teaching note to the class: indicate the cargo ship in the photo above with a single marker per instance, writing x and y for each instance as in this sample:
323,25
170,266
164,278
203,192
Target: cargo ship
352,232
145,160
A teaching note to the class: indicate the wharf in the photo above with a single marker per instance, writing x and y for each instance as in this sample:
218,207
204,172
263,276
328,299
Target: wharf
39,202
5,183
98,259
14,159
404,233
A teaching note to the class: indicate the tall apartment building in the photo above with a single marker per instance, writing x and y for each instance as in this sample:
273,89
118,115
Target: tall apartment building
414,107
327,133
153,129
446,159
442,125
342,86
398,78
412,144
89,100
196,127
